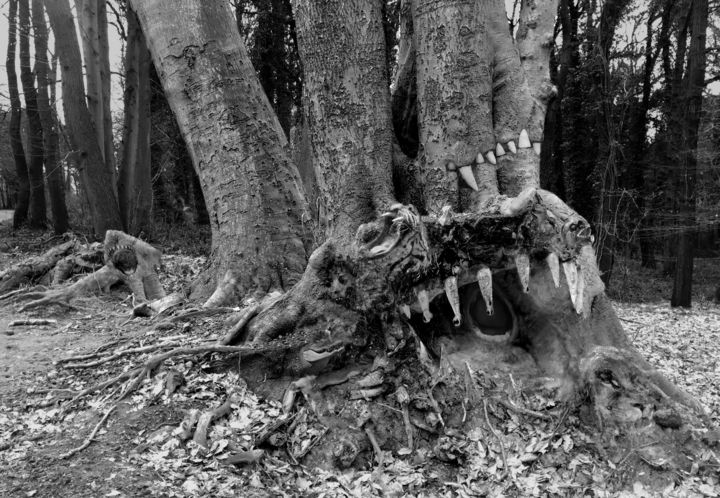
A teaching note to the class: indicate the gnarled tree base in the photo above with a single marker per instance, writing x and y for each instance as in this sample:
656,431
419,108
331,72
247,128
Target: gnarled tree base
427,328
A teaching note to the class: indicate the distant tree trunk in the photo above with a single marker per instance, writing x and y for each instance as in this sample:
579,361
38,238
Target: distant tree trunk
640,177
606,156
134,179
252,190
274,56
22,203
51,139
96,179
92,20
38,212
690,112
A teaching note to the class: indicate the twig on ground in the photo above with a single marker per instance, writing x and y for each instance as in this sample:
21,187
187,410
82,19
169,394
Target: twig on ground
511,406
379,455
247,315
200,436
33,321
506,470
120,354
103,385
89,439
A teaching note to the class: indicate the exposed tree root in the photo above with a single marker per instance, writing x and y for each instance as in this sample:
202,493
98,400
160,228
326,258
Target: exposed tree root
89,439
34,268
200,436
120,354
95,283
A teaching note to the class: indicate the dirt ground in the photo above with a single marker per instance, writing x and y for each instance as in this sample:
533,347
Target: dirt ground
121,461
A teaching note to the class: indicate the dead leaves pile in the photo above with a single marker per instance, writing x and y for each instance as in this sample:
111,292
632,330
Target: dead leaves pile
512,454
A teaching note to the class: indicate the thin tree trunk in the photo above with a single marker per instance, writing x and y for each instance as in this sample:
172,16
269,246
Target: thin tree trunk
22,203
37,217
252,190
51,140
105,89
691,105
134,179
348,108
96,180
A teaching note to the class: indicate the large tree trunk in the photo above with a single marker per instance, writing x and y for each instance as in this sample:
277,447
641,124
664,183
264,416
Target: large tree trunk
134,179
38,215
96,180
347,102
252,189
51,139
22,203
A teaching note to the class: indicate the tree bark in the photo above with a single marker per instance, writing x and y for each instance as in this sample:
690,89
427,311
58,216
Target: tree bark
348,106
252,189
92,20
134,179
691,108
22,203
51,139
96,180
38,212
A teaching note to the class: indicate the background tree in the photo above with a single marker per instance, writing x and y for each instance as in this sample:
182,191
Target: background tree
48,120
135,182
96,179
22,204
38,212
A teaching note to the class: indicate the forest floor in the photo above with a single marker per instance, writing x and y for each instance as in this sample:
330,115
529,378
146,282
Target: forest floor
135,453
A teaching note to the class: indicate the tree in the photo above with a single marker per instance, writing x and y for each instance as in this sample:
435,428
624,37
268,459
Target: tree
38,212
48,119
96,179
92,21
401,297
688,119
134,179
22,204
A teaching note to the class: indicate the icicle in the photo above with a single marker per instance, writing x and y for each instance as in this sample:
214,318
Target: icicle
572,278
424,301
453,296
522,264
524,140
466,173
484,280
491,157
580,293
445,215
554,264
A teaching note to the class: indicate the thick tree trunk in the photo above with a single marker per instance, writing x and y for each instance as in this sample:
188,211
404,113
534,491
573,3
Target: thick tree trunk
691,108
134,179
51,139
96,180
22,203
38,212
347,101
252,189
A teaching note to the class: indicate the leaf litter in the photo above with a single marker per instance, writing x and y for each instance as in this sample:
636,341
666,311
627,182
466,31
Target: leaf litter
141,449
